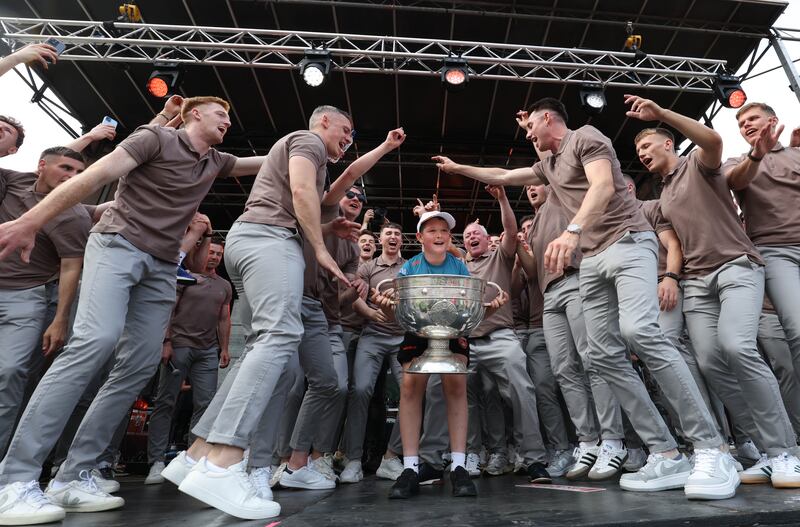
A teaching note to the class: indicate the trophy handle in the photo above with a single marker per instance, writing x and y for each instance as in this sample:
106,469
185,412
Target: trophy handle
499,292
380,284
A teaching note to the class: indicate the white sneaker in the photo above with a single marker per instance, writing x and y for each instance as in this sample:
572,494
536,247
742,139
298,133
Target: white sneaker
659,473
352,472
785,471
609,462
106,485
231,491
748,452
498,464
560,463
324,465
178,469
306,478
584,461
473,465
714,476
154,477
83,495
260,477
26,504
761,472
636,459
738,466
275,479
390,468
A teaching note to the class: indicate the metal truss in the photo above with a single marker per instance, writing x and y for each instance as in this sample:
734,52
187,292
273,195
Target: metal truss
779,35
279,49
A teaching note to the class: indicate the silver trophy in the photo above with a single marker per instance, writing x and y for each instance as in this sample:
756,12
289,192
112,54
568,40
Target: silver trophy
438,307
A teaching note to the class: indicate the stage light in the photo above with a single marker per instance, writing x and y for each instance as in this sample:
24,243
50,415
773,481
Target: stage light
163,81
455,73
728,91
314,68
633,44
593,100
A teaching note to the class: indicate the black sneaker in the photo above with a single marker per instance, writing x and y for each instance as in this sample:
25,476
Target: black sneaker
107,472
462,483
538,474
430,475
406,485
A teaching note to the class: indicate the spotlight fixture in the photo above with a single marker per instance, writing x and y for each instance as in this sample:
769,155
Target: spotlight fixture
164,80
633,44
593,100
455,73
728,90
316,65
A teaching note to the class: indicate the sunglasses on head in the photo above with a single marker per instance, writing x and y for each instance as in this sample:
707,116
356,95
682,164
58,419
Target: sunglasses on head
350,195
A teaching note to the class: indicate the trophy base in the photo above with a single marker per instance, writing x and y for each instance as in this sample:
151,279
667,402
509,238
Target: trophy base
437,359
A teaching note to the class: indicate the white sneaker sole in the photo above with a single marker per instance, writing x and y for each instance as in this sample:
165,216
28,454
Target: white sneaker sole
302,485
111,487
354,479
721,491
674,481
791,482
578,472
194,488
176,471
385,474
154,480
607,474
98,506
33,518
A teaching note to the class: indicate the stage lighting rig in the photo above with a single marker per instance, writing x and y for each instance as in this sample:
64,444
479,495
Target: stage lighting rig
164,80
315,66
455,73
728,90
593,100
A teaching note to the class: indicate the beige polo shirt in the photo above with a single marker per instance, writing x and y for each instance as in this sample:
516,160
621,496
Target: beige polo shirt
652,211
197,313
494,266
548,224
373,272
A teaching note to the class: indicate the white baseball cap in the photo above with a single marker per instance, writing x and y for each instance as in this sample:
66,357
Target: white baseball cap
451,221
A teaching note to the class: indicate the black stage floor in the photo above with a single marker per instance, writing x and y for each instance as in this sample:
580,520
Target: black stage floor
501,502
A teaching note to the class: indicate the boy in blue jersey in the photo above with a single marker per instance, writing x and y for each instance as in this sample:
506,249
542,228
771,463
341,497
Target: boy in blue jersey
433,232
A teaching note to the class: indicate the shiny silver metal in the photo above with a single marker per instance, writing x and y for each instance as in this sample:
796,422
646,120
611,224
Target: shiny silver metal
439,308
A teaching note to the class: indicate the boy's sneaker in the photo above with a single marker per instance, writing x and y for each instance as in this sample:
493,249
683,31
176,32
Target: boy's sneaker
498,464
584,460
785,471
473,465
26,504
184,277
537,473
352,472
636,460
231,491
106,485
747,453
761,472
390,468
429,475
306,478
324,465
178,469
560,463
462,483
82,495
659,473
406,485
609,462
714,476
154,477
260,477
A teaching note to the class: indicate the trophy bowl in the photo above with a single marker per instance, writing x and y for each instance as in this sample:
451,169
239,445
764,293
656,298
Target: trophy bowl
438,307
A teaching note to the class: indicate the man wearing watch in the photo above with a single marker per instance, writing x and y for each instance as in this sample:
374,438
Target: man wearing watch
724,286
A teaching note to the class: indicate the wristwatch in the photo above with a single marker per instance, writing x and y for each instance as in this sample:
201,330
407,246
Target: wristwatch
753,158
574,228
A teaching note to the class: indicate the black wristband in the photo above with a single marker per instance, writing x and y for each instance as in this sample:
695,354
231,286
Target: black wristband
751,157
673,276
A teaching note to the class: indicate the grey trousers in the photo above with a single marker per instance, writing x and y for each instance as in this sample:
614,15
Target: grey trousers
583,388
783,287
722,310
773,344
265,264
620,301
486,423
544,382
201,366
125,302
501,355
23,313
372,349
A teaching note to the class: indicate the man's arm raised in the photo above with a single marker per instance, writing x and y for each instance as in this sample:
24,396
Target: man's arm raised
98,133
489,175
360,166
509,242
21,233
